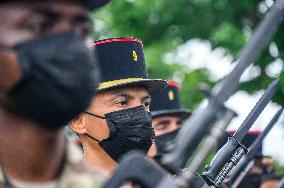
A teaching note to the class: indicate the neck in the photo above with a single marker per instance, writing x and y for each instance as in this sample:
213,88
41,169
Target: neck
28,152
96,156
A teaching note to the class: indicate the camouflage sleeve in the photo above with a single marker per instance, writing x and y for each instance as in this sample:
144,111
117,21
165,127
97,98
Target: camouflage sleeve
77,174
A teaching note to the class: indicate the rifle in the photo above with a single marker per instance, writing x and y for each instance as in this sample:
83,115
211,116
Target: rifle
247,162
230,154
215,133
136,168
139,170
193,129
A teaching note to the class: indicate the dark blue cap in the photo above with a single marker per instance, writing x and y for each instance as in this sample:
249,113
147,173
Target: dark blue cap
122,64
166,102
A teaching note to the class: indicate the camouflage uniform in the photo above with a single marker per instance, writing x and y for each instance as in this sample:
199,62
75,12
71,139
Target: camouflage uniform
75,173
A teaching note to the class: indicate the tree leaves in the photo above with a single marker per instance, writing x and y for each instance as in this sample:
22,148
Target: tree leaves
163,25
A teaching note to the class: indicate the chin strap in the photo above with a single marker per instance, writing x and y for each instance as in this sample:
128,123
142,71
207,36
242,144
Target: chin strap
93,114
92,138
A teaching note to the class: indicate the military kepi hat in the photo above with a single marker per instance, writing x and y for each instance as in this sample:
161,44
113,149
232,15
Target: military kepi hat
248,140
122,64
166,102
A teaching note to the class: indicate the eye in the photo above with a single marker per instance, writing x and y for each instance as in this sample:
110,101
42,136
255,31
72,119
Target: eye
84,30
160,127
38,26
123,102
84,25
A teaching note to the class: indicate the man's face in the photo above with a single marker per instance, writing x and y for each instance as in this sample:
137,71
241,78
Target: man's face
24,20
110,101
162,125
165,124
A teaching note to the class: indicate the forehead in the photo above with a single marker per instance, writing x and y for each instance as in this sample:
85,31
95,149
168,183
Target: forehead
4,2
166,117
20,7
135,91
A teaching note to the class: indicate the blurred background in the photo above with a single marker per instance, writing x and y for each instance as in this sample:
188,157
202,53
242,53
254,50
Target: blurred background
197,41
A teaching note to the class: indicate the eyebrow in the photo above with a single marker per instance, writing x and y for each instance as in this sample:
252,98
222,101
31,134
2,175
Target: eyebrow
83,17
163,122
146,97
51,14
122,94
128,96
46,12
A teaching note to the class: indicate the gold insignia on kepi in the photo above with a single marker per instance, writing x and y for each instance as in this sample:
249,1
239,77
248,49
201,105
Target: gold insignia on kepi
171,95
135,57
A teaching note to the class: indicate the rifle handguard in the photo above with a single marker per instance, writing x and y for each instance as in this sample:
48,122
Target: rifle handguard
237,170
229,166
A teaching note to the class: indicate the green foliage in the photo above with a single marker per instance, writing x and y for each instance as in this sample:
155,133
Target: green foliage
162,25
207,161
228,35
279,168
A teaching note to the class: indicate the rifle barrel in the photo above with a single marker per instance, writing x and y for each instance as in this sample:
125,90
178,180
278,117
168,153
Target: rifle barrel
253,115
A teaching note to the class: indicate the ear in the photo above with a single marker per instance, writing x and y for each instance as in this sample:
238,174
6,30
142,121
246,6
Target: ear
78,125
153,150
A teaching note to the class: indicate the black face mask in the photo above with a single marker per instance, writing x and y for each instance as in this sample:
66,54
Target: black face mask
59,78
251,180
165,143
130,129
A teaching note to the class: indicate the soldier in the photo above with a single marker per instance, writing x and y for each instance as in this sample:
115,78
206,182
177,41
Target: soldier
263,166
167,118
47,76
118,119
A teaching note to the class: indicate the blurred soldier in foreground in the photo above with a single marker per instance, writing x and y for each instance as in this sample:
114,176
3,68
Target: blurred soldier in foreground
47,76
167,118
263,166
118,119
